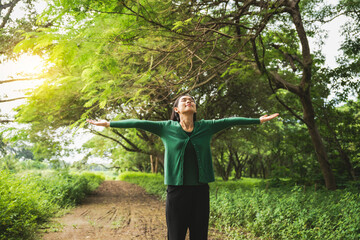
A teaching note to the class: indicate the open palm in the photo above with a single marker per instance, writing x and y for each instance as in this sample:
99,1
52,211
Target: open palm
101,123
266,118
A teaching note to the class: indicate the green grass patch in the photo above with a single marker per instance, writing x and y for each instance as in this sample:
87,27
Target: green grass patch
273,209
153,183
107,175
280,213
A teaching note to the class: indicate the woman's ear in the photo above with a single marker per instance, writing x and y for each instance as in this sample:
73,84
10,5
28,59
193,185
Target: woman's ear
176,109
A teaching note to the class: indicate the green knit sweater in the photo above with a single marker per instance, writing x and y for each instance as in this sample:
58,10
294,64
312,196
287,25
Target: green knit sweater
175,141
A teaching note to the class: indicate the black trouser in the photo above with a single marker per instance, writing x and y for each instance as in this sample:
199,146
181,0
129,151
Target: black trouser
187,207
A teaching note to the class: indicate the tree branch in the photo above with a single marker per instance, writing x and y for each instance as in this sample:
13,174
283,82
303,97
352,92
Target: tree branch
113,139
134,147
289,57
7,16
6,121
293,9
284,104
10,100
149,20
16,79
6,5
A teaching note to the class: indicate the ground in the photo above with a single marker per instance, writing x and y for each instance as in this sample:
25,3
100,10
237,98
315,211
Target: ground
116,210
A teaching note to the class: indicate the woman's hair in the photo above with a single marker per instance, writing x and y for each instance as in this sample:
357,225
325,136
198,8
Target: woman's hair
174,115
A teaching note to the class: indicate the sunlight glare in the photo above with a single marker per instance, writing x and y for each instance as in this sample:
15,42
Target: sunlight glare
26,66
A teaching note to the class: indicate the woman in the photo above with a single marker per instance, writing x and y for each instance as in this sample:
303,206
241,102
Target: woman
188,165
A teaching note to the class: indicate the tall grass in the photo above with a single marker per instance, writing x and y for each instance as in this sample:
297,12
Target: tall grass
29,199
285,212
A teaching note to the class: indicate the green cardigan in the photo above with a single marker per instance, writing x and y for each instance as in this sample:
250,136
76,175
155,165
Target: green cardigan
175,140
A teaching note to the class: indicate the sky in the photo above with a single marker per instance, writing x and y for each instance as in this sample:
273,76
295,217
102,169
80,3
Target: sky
27,66
332,44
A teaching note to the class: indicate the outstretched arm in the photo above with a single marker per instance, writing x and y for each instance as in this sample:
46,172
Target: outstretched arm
266,118
101,123
150,126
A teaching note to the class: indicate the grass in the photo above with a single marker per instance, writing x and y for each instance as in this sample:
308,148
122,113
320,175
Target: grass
274,209
153,183
29,199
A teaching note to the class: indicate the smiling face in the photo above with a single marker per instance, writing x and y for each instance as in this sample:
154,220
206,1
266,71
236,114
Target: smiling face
185,105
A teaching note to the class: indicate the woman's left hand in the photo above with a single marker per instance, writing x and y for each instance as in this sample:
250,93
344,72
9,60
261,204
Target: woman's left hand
266,118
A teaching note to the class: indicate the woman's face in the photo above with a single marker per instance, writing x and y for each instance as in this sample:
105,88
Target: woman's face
186,105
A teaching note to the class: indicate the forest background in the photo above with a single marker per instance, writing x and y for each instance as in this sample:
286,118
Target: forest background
130,59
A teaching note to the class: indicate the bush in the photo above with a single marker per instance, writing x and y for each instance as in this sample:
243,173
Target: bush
27,200
23,205
67,189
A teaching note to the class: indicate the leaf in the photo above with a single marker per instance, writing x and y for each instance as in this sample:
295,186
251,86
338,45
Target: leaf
91,102
221,86
82,124
50,118
102,103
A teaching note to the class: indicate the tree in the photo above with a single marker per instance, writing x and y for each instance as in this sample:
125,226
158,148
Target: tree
270,37
12,26
344,83
12,99
218,50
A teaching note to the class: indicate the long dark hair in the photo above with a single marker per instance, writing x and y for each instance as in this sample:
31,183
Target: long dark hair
174,115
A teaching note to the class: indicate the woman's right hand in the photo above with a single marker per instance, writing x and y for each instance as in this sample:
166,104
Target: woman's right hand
101,123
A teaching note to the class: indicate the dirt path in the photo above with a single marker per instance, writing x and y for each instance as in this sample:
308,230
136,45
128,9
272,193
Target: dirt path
116,210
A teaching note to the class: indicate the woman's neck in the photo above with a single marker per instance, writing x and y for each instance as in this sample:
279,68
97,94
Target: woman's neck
187,122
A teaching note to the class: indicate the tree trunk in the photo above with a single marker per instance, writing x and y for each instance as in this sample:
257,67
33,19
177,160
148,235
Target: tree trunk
264,168
156,164
343,155
152,163
349,167
238,165
309,118
221,167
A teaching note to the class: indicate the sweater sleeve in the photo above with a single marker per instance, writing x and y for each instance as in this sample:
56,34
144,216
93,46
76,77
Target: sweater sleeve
221,124
150,126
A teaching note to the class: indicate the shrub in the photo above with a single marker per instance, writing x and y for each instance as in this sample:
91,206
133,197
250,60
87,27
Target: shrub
67,189
27,200
23,205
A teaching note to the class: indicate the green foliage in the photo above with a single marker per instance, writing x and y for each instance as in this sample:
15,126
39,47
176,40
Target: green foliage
29,199
341,131
23,205
129,59
67,189
151,182
12,164
14,24
26,142
284,212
